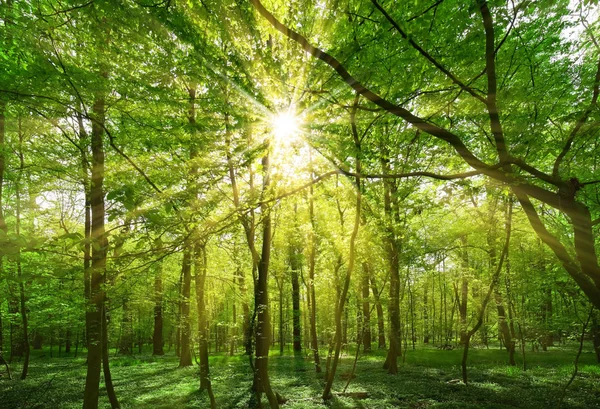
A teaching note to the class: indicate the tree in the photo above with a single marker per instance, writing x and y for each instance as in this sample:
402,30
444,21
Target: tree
551,188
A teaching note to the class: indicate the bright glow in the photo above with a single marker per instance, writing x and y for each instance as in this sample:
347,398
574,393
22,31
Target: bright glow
285,125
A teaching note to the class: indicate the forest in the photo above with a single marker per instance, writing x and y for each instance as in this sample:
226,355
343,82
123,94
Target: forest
299,204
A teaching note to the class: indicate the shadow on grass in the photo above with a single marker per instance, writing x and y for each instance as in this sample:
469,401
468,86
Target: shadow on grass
155,382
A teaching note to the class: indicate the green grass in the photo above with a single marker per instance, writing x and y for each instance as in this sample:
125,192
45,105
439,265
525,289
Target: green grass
144,381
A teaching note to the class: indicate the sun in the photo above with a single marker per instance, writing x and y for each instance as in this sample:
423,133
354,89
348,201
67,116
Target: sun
285,126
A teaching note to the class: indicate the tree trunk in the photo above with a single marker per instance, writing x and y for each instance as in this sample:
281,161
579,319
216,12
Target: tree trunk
157,336
493,284
261,382
366,308
296,329
393,253
185,359
200,273
311,294
464,291
380,317
68,341
126,338
281,331
426,315
24,322
98,261
110,389
507,338
351,259
3,226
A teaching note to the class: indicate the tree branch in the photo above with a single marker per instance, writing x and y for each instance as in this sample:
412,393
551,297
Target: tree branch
578,125
546,196
425,54
490,66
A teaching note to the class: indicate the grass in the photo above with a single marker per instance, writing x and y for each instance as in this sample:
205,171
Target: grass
145,381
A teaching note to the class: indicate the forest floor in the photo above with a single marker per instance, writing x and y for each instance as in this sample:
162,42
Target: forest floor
144,381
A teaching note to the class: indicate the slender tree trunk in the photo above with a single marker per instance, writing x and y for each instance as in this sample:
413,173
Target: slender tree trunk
393,253
98,262
84,142
296,328
596,335
24,322
1,327
185,358
16,348
262,384
507,338
493,284
426,315
178,318
68,341
3,226
351,259
464,292
110,389
126,337
311,294
200,273
380,317
366,308
157,337
281,331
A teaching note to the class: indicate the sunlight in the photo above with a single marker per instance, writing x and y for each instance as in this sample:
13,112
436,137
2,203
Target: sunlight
285,126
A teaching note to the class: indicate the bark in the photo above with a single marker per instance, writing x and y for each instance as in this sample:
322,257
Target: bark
68,341
392,246
87,225
200,275
426,316
494,282
366,309
185,358
247,221
16,344
98,261
23,309
380,316
507,338
126,338
351,259
26,348
295,266
157,336
596,336
281,331
110,389
464,291
261,383
311,295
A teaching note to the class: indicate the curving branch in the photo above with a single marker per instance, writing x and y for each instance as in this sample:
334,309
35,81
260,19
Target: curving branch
567,261
578,125
427,56
549,197
432,175
434,5
376,99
